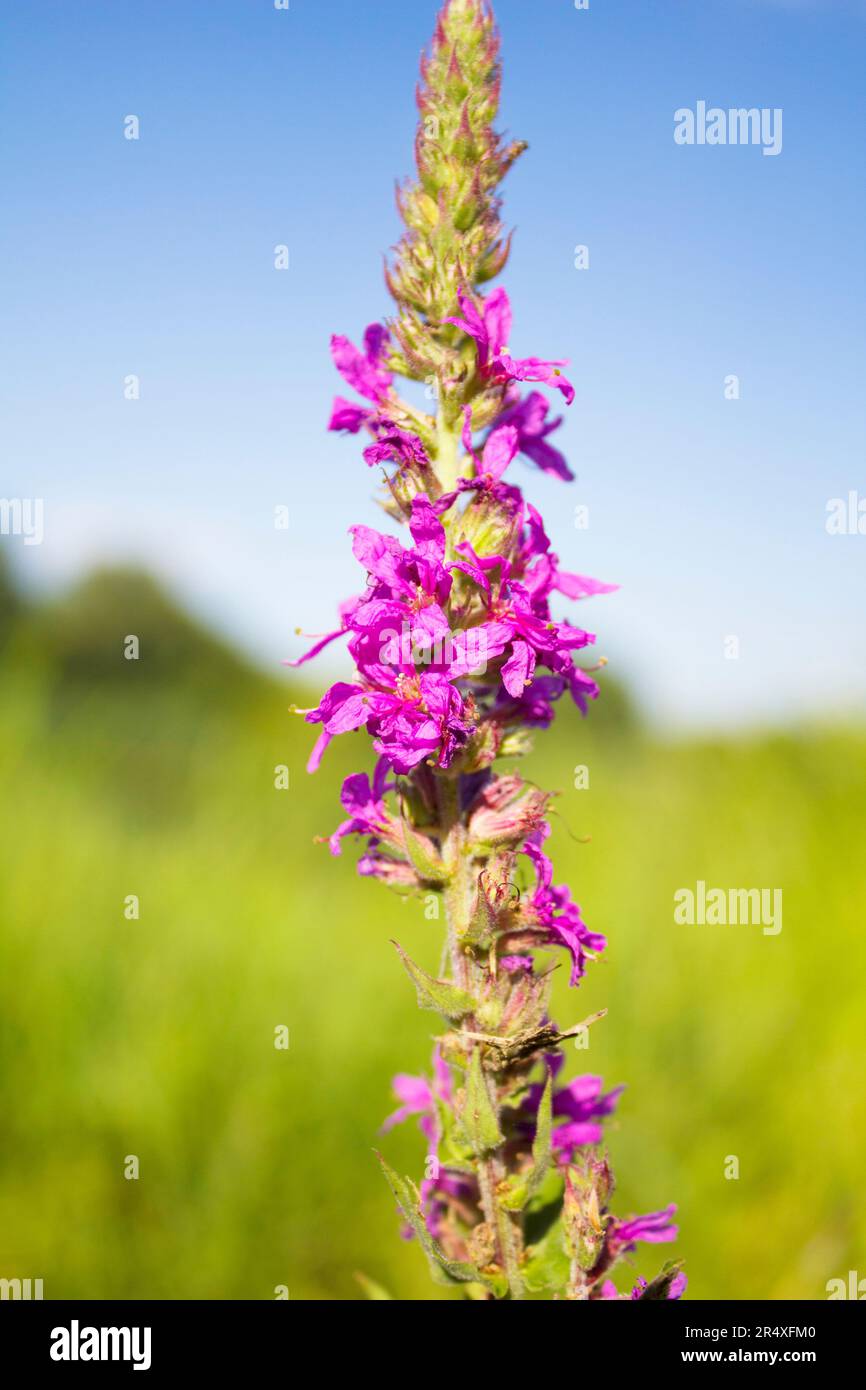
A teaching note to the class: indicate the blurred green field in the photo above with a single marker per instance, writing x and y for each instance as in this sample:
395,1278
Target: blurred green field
155,1037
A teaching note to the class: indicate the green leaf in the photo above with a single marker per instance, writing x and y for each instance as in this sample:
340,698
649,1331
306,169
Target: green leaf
547,1265
479,1117
453,1147
441,995
523,1187
444,1271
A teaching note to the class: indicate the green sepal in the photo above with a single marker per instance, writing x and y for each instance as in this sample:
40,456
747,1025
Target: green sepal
477,1293
443,1270
482,922
423,856
496,1283
441,995
454,1150
517,743
521,1188
478,1117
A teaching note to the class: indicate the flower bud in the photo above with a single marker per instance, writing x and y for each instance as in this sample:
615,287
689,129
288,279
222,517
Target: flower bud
584,1210
483,747
492,523
516,743
401,877
505,812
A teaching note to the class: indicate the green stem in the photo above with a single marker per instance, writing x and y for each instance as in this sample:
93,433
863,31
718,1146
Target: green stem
578,1285
458,889
505,1222
447,452
458,897
458,906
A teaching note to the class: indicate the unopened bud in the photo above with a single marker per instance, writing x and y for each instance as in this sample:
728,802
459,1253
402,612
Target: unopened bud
505,812
584,1212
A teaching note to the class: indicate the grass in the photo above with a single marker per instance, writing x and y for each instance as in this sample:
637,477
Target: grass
155,1037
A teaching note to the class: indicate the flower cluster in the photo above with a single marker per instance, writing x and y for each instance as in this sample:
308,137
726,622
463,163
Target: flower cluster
458,654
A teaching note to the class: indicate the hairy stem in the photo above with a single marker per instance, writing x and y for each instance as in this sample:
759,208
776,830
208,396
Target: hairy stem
458,905
506,1223
458,890
447,452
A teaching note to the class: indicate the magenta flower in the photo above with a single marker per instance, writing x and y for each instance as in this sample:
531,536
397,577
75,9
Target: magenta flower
418,1096
491,330
677,1288
447,1186
394,445
346,611
368,814
520,623
420,719
514,964
551,911
409,587
459,651
581,1105
578,1106
500,447
534,707
529,418
394,872
540,572
365,372
450,1188
534,640
655,1229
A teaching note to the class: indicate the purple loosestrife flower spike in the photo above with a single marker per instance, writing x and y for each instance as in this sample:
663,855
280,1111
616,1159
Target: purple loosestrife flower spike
458,655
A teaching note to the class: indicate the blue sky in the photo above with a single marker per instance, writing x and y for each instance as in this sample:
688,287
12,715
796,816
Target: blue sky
257,127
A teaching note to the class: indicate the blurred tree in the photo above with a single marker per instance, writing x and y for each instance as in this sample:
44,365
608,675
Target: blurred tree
11,602
119,630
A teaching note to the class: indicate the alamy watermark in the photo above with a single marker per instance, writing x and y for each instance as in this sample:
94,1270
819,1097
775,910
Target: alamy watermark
23,516
468,649
854,1288
737,126
846,516
23,1289
77,1343
729,907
